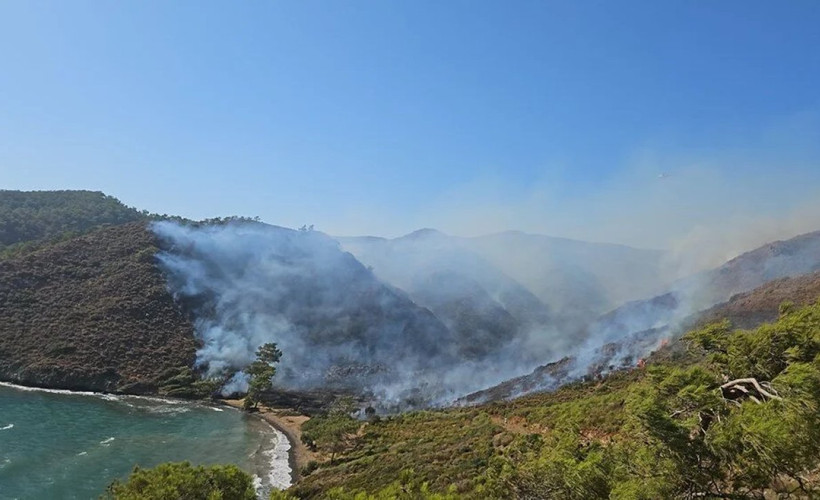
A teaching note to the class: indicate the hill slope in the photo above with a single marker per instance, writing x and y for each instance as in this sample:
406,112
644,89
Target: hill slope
27,216
696,428
91,313
484,308
623,336
750,309
337,325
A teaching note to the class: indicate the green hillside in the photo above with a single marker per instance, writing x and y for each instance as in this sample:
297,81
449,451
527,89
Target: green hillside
30,216
735,416
93,313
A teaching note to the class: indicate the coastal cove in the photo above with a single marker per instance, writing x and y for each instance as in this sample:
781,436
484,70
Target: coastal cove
62,444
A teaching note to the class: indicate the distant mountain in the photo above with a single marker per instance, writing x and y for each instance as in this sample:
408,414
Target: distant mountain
577,277
572,280
29,216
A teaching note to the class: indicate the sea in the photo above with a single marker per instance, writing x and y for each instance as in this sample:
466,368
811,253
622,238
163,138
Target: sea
72,445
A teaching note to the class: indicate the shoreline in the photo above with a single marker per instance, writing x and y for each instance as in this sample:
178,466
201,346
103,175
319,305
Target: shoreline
289,425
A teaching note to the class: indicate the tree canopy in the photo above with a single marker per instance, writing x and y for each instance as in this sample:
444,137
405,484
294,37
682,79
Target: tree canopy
331,433
26,217
261,373
183,481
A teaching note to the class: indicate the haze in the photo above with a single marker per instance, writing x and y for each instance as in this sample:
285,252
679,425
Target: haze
687,126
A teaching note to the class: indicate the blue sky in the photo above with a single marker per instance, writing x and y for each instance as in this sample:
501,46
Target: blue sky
636,122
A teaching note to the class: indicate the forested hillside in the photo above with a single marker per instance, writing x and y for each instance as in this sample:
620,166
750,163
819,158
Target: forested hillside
93,313
28,216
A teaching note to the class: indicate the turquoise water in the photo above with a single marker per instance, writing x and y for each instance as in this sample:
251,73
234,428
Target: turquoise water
56,445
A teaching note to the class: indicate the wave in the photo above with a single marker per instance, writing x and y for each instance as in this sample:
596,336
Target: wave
280,475
107,441
181,405
6,427
273,457
54,391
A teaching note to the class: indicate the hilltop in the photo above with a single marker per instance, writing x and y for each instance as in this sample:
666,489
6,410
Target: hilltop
29,217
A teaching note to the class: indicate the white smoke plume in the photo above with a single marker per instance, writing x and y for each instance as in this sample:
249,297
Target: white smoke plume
433,318
246,284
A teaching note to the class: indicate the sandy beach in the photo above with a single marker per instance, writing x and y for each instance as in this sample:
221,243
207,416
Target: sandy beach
291,426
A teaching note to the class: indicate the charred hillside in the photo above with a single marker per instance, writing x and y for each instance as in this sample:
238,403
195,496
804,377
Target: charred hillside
92,313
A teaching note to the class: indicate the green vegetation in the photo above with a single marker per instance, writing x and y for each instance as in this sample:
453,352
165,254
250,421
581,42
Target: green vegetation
261,372
82,303
185,382
28,218
735,418
407,487
175,481
94,313
333,432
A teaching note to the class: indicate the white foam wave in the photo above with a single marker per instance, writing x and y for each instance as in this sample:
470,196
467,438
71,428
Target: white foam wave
51,391
126,399
6,427
159,399
280,475
106,442
257,484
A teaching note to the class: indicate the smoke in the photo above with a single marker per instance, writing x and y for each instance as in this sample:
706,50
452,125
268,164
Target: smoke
426,318
622,337
338,326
